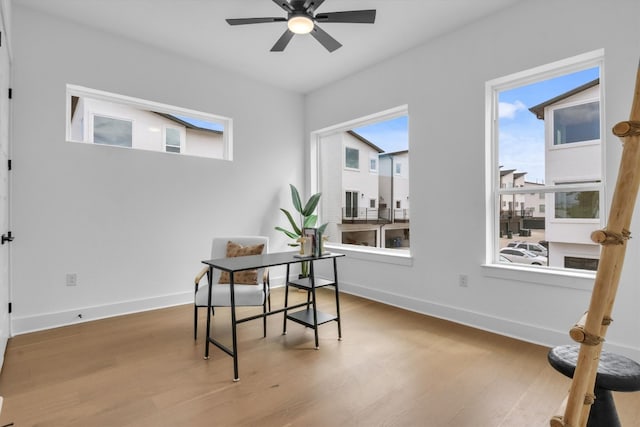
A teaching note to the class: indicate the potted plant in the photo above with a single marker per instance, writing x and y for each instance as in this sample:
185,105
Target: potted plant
307,219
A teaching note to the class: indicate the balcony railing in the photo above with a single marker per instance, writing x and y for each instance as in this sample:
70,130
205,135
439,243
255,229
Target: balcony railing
374,216
521,213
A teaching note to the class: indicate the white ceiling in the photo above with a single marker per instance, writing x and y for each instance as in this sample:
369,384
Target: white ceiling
197,28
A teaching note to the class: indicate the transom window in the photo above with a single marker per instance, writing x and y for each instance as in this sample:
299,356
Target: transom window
98,117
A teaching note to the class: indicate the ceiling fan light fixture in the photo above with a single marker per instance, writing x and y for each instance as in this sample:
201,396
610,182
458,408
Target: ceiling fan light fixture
300,24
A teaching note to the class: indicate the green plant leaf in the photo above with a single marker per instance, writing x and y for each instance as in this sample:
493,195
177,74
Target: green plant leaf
310,221
288,233
295,227
323,227
295,198
311,204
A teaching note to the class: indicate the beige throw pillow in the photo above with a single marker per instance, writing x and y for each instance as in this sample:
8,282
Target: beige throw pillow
249,277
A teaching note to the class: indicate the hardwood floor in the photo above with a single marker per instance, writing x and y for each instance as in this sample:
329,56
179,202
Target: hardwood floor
392,368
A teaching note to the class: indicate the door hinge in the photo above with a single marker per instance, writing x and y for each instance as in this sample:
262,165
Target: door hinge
10,308
10,93
9,164
0,38
6,238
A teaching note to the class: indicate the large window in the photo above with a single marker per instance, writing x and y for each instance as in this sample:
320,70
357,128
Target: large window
545,133
578,123
361,201
97,117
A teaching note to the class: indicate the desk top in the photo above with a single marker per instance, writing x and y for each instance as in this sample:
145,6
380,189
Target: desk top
251,262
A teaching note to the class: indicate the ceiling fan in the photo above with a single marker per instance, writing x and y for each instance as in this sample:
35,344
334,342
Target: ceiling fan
301,20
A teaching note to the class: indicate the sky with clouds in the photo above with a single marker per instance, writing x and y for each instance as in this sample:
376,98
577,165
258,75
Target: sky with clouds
521,134
390,135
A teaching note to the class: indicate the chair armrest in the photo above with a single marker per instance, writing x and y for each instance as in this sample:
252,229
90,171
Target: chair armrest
200,275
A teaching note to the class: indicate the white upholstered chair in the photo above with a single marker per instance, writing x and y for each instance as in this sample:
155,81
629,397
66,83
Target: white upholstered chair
245,294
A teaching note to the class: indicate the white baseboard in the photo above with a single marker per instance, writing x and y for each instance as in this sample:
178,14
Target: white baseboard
522,331
26,324
518,330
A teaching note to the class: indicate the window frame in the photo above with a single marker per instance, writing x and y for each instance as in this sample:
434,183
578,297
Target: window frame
373,160
493,191
181,147
384,255
152,106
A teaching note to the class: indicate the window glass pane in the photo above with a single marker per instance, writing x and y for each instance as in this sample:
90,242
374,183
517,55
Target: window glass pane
352,159
576,124
112,131
373,165
173,138
577,204
581,263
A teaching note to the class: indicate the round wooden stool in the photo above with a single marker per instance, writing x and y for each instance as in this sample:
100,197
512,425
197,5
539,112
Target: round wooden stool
615,373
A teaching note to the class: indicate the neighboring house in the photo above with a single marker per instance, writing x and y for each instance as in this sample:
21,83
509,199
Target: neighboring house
103,122
572,156
394,198
534,207
373,209
512,207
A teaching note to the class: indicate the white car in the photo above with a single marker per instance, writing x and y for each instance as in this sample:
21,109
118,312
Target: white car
536,248
523,256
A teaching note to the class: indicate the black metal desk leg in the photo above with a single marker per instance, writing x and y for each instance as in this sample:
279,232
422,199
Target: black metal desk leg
335,279
208,337
232,294
312,280
286,301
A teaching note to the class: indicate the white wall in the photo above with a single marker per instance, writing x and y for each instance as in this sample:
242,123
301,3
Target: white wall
134,225
453,70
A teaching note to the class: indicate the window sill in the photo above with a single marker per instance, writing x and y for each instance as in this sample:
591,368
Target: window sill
541,276
389,256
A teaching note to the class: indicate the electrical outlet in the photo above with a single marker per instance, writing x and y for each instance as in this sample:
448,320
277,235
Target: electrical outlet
463,280
72,279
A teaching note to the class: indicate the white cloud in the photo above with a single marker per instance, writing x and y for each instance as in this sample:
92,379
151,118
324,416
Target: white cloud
507,110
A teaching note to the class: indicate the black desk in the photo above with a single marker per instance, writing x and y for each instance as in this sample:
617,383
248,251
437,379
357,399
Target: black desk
310,316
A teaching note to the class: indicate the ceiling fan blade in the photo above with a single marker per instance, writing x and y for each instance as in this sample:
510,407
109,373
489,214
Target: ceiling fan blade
282,42
325,39
284,4
312,5
353,16
243,21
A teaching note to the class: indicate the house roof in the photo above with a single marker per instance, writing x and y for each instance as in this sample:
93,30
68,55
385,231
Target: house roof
365,140
506,172
538,110
188,125
519,174
393,153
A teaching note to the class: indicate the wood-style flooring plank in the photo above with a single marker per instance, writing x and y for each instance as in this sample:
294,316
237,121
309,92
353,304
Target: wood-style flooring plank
392,368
